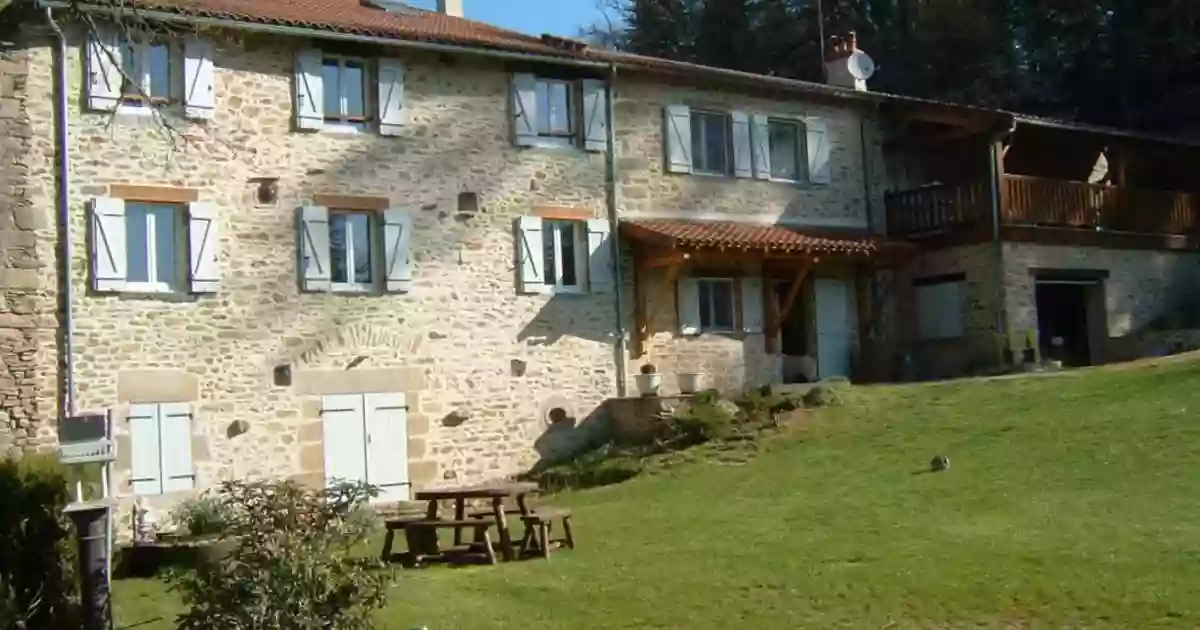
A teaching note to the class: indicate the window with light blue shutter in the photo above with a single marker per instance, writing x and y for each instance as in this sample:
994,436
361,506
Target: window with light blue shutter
160,443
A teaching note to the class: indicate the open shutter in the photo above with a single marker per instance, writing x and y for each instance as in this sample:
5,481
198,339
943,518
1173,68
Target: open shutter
204,244
818,151
742,160
387,445
145,461
314,248
109,255
345,438
397,241
393,113
310,92
678,138
595,116
175,426
752,305
104,71
688,297
199,96
600,267
761,140
524,109
529,249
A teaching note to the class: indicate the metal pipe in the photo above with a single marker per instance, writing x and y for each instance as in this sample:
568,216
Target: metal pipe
610,178
66,293
994,166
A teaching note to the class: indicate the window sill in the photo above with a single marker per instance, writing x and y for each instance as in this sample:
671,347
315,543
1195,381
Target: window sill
354,289
710,174
797,183
351,128
564,290
554,144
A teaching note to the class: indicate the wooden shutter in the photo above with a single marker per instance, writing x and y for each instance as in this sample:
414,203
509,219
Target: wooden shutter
393,110
204,246
175,429
595,116
600,260
817,142
677,133
145,459
524,109
387,445
752,305
345,438
529,251
761,140
198,89
397,243
104,71
743,163
310,92
314,248
688,298
109,255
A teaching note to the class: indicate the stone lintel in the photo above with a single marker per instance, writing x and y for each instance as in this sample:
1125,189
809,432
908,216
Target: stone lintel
157,386
364,381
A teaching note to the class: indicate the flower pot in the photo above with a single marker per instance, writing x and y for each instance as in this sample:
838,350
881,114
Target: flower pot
690,382
648,384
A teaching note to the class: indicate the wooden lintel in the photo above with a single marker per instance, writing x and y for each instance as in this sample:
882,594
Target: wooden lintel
666,260
790,300
153,194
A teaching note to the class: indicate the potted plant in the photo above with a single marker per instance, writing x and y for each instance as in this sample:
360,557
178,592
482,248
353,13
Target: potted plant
648,381
690,382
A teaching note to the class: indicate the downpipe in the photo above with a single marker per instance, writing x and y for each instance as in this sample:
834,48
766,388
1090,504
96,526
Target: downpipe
621,349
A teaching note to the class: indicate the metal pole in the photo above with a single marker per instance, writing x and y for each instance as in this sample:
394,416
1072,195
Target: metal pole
91,532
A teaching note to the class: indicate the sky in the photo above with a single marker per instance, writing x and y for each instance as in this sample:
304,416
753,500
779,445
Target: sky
560,17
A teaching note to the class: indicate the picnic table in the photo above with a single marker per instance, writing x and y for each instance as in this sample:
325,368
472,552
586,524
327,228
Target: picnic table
495,494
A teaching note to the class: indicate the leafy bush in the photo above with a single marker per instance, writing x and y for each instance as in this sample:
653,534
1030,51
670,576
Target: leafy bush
36,555
205,515
707,417
289,563
599,467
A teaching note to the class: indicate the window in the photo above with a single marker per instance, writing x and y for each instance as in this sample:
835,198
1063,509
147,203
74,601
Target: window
345,83
786,145
351,261
939,309
561,248
555,106
160,437
153,247
146,70
716,304
710,143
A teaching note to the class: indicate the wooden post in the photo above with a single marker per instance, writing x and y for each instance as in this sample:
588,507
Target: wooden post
641,327
770,338
790,299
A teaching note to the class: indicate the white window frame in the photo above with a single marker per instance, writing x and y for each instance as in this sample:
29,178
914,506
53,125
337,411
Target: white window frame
711,306
140,102
338,121
373,227
801,151
579,235
571,136
699,150
154,284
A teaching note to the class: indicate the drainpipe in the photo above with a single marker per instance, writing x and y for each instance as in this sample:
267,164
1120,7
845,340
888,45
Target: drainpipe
66,293
994,167
610,180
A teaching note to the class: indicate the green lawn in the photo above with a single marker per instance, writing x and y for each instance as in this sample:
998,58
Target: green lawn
1073,501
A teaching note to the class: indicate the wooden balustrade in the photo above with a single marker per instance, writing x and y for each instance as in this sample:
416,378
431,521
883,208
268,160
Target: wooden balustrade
938,208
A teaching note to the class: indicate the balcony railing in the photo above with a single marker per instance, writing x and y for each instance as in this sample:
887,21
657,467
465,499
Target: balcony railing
1040,202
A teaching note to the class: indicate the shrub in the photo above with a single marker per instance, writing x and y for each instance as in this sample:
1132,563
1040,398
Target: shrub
821,396
707,417
205,515
289,563
36,556
649,368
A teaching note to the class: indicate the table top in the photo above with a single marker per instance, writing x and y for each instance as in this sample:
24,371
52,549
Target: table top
482,491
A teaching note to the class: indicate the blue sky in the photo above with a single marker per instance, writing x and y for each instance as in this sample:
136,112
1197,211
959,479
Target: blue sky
561,17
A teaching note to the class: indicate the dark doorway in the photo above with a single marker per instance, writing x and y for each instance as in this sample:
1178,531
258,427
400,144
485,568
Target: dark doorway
793,336
1062,314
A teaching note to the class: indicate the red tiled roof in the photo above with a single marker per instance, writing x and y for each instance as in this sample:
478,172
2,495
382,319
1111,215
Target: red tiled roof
746,236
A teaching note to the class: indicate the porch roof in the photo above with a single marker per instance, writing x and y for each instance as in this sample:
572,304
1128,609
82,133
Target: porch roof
766,239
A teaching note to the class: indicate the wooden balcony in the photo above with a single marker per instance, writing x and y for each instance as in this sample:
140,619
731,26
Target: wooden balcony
1034,208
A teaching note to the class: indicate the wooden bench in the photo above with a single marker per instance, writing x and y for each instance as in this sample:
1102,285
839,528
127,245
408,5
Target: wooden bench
539,526
422,537
393,524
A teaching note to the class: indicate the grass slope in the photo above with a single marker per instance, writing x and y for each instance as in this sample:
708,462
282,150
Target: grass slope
1072,502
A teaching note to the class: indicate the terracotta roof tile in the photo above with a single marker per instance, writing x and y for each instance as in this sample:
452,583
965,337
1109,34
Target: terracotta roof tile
746,236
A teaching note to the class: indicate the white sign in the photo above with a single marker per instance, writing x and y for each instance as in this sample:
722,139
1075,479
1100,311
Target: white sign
102,450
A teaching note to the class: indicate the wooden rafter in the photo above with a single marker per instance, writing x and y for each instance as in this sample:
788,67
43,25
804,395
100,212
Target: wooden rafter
778,318
666,260
641,324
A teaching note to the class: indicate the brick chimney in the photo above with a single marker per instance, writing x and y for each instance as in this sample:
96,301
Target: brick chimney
846,65
453,8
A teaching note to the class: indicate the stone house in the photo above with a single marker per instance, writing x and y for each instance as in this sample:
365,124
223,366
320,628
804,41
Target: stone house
353,240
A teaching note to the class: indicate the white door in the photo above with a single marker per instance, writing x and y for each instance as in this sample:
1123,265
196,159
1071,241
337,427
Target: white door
387,445
345,438
834,326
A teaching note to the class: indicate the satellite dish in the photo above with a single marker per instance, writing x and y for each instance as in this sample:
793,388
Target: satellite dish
861,65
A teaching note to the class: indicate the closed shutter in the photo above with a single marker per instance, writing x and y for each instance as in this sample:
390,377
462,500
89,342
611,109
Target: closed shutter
387,445
109,255
600,261
818,151
677,134
145,459
940,311
524,109
752,305
742,161
397,242
175,427
198,88
393,110
529,251
314,248
345,438
688,297
310,93
104,70
761,139
204,245
595,116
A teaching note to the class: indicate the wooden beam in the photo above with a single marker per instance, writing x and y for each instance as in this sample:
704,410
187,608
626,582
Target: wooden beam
790,300
666,260
641,324
770,338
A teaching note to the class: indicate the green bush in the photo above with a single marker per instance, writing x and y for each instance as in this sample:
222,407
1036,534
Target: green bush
707,417
821,396
204,515
289,562
36,555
